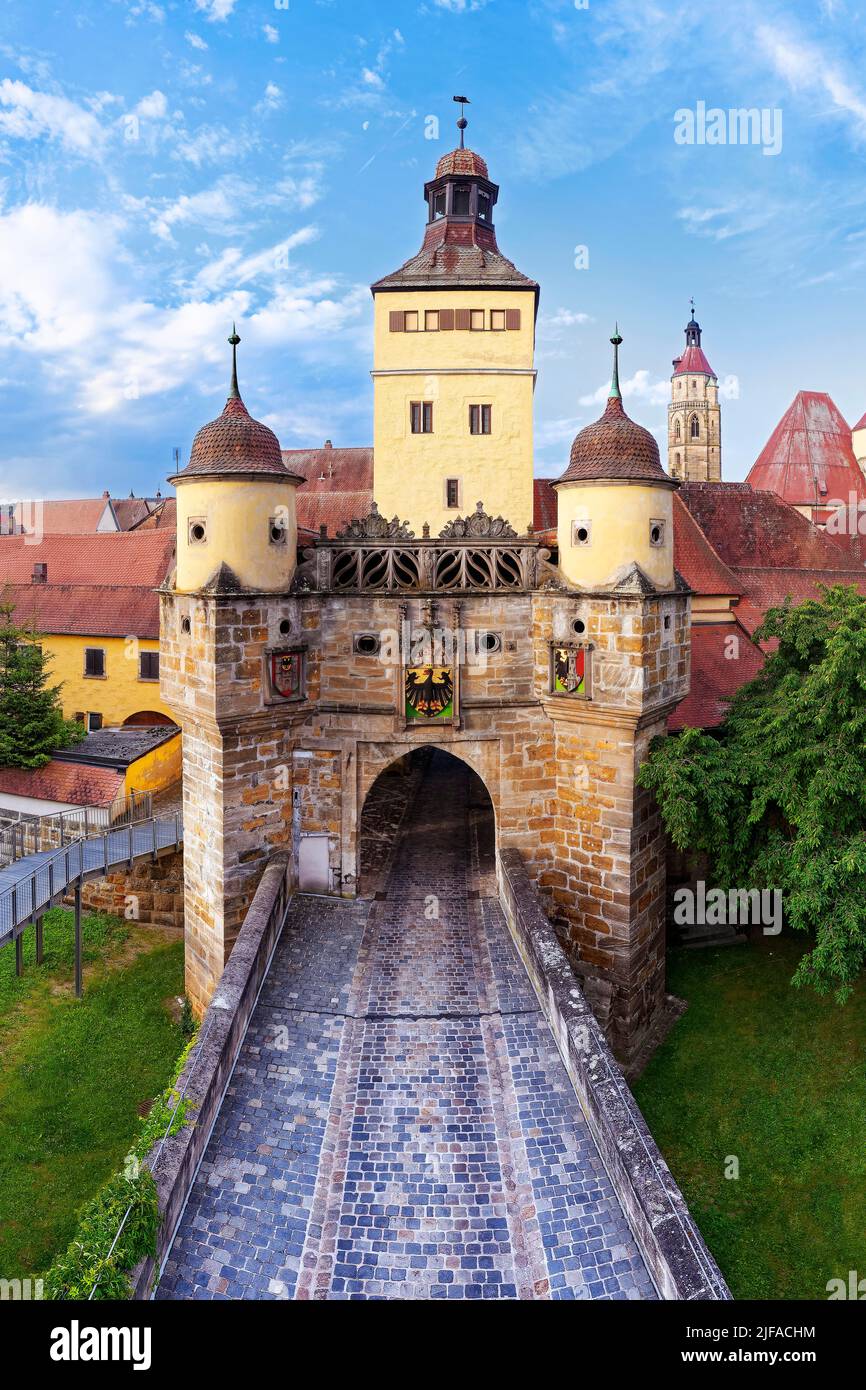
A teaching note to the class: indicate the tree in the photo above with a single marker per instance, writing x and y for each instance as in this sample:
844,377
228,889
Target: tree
32,725
777,796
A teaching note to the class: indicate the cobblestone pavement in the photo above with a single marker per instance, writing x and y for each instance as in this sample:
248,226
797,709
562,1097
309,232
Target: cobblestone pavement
399,1124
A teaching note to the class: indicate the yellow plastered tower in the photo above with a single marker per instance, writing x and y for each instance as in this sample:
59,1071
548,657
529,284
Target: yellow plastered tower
453,364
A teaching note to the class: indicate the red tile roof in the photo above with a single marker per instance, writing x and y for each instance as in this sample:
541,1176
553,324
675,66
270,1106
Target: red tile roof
62,516
614,447
860,425
337,486
750,527
769,588
692,360
101,585
723,659
696,559
75,783
461,162
544,505
234,443
812,440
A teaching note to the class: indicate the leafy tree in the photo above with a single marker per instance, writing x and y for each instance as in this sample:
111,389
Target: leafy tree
31,720
777,796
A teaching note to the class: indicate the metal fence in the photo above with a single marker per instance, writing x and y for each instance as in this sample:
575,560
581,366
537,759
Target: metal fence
33,834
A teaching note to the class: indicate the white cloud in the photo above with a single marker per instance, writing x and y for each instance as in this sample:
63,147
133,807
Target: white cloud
638,387
272,99
565,318
29,115
233,268
215,10
459,6
806,66
195,41
271,34
214,208
153,107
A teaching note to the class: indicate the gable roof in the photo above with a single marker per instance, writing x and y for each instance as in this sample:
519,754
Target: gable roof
812,442
77,784
749,527
715,677
696,559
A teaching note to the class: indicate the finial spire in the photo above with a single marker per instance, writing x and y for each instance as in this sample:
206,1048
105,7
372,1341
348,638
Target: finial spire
462,123
234,393
693,306
615,393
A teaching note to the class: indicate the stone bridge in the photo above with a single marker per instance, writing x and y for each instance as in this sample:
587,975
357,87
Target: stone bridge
399,1122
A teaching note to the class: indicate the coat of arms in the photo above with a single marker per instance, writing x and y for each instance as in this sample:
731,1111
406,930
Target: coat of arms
286,673
568,663
429,692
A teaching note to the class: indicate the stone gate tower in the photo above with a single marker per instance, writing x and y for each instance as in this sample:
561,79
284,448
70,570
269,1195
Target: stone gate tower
694,414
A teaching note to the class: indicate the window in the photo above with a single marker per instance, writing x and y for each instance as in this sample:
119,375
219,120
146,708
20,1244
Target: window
410,321
94,722
678,429
421,417
366,643
657,533
452,492
40,573
439,203
695,430
476,318
460,206
581,532
486,643
197,530
497,319
483,206
479,419
431,320
148,666
94,661
277,531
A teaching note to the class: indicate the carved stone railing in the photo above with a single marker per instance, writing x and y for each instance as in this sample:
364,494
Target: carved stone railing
477,553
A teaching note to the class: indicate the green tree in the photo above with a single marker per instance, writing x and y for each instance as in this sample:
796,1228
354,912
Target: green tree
777,796
32,725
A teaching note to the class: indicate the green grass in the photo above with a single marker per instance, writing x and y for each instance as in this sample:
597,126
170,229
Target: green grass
776,1077
74,1073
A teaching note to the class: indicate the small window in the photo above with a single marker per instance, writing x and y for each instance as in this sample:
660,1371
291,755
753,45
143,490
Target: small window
497,320
479,419
94,722
461,201
657,533
410,321
421,417
148,666
94,662
483,206
439,203
452,492
694,385
678,429
581,532
285,626
476,319
695,427
431,320
197,530
185,626
488,642
276,531
366,644
578,626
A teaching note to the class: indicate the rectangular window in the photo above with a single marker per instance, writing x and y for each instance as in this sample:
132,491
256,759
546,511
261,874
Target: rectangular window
476,319
497,320
512,318
148,666
410,321
94,661
461,201
483,206
446,320
461,318
439,203
421,417
431,320
479,419
452,492
94,722
395,320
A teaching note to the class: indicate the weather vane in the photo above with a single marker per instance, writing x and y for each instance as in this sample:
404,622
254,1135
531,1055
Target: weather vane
462,123
693,306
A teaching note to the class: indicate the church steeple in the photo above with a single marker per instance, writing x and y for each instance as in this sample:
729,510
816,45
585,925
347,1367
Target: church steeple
693,330
694,414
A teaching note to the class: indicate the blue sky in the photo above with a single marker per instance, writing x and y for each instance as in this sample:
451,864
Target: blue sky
169,165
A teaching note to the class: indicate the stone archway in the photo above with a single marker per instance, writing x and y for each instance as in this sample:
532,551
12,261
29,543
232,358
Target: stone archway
387,807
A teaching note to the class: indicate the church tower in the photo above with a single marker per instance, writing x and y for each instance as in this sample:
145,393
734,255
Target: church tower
694,414
453,365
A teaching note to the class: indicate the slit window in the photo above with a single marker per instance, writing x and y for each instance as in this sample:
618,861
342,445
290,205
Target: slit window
421,417
479,419
439,203
452,492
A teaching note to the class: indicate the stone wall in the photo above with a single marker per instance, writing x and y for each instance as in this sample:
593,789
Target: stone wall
148,893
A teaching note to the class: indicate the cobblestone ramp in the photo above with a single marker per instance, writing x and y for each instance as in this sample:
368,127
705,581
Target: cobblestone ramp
399,1124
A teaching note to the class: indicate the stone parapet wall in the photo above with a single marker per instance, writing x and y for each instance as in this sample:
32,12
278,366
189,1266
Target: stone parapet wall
150,893
669,1240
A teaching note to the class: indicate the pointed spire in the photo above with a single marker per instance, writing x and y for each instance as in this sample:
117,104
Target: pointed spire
614,393
234,393
462,123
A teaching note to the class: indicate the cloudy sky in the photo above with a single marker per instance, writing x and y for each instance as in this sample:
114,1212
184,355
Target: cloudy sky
167,166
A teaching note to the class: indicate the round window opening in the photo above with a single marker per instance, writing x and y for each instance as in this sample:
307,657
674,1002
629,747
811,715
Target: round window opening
578,626
285,627
367,644
582,534
185,625
197,531
489,641
656,535
277,534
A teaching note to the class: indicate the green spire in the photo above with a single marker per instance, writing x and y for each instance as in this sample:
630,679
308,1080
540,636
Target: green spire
234,393
615,392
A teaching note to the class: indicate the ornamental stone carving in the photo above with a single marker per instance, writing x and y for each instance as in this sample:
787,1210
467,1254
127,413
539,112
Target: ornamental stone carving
376,527
478,526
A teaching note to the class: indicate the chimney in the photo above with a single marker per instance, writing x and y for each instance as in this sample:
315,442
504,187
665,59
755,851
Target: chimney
328,444
40,572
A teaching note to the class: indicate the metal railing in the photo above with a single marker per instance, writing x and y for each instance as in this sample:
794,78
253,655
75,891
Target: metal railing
33,894
34,834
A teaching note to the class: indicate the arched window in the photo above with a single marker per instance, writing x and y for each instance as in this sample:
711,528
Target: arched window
678,431
678,463
695,427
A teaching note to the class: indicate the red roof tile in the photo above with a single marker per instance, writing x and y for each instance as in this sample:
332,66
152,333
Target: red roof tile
234,443
461,162
614,446
692,360
769,588
812,440
750,527
62,516
544,516
136,559
696,559
86,610
716,674
75,783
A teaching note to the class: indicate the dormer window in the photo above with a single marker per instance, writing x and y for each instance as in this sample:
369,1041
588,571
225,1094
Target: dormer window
462,194
439,204
483,206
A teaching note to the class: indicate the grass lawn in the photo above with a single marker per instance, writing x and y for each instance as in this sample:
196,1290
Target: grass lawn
74,1073
776,1077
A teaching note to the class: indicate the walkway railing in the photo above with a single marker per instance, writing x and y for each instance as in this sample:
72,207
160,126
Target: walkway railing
34,834
26,900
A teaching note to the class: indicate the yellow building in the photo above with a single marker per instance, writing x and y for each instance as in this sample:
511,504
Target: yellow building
453,364
92,600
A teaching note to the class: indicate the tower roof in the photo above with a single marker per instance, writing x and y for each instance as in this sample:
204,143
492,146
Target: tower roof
693,361
234,443
614,446
461,161
809,452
